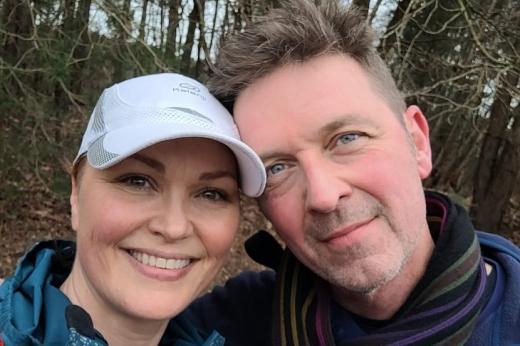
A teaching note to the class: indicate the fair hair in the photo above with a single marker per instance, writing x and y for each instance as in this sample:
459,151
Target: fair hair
294,33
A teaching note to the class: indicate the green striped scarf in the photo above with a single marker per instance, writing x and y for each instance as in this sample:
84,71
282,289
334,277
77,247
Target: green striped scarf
442,309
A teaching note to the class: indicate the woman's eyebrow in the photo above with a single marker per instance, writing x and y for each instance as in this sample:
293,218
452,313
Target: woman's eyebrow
216,175
154,164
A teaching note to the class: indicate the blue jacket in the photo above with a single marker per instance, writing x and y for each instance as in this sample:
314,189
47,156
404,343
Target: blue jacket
33,310
499,322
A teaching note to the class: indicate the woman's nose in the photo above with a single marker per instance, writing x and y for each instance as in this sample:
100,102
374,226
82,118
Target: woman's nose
172,221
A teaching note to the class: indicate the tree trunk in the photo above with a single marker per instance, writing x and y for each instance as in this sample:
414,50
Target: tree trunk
363,5
17,28
142,24
173,23
193,19
161,25
80,51
68,16
443,160
213,27
393,27
499,162
16,22
199,63
121,47
225,21
455,164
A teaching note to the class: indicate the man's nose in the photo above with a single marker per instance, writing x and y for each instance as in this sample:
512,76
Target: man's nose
324,185
171,221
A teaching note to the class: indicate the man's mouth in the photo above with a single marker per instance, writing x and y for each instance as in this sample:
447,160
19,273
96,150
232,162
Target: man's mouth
160,262
345,231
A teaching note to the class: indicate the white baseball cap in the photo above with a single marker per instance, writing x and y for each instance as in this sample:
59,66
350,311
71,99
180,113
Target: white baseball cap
140,112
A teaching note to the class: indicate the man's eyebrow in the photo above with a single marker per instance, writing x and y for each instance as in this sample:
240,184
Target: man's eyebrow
343,120
332,127
153,163
325,130
217,175
270,155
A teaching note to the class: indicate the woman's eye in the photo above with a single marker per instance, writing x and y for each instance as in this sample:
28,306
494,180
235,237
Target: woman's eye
137,181
275,169
347,138
213,195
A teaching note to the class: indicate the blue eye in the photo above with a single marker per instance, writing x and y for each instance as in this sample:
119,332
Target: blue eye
347,138
275,169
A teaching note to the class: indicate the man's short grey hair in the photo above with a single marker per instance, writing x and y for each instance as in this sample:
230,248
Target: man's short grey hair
296,32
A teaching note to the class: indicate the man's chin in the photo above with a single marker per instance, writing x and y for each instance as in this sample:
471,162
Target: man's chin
364,280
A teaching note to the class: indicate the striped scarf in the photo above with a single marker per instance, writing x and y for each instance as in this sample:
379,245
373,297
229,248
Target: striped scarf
442,309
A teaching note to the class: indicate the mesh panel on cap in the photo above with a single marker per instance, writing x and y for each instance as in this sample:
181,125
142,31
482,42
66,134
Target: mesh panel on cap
112,115
171,116
97,155
98,123
180,117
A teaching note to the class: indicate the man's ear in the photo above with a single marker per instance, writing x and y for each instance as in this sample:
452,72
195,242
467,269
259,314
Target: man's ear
417,127
74,207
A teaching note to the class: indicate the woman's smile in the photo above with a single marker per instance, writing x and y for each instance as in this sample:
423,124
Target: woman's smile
160,262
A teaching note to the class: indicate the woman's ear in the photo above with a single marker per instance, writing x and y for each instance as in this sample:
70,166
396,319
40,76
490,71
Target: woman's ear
417,127
74,208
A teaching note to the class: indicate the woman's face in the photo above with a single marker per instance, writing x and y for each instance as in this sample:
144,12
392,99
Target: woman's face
153,230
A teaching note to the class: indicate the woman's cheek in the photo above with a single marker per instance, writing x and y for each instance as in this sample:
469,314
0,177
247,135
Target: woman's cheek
111,222
218,236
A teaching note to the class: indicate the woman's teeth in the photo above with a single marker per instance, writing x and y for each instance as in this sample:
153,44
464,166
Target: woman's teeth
160,262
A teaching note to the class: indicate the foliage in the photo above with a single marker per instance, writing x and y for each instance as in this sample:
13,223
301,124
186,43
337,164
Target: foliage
459,60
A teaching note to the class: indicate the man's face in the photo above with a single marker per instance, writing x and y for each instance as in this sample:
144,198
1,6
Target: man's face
344,172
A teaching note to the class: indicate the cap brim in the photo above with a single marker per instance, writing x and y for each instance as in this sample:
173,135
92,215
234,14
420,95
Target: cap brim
119,144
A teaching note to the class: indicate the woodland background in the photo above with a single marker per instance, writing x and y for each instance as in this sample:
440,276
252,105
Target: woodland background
458,59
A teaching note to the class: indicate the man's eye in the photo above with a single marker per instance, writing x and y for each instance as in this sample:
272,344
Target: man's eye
275,169
347,138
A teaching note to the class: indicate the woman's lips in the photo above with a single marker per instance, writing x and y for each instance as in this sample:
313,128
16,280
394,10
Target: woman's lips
163,268
160,262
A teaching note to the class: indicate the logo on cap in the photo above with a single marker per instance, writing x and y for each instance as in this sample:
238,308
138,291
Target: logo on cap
189,86
189,89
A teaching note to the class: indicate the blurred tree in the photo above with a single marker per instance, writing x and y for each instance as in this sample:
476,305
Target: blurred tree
142,24
363,6
173,23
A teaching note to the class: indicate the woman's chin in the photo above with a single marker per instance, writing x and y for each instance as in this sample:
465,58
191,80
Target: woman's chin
155,312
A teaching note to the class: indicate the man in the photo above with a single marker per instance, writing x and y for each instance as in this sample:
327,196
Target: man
371,259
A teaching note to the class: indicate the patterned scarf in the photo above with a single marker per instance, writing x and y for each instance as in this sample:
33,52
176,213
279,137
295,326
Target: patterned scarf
442,309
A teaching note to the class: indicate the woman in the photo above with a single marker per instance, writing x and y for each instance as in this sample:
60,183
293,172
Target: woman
155,205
